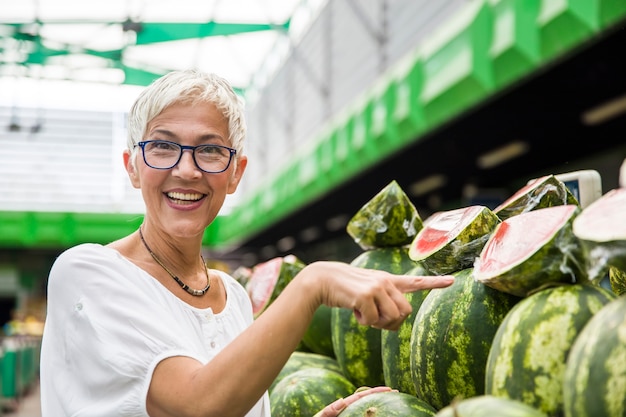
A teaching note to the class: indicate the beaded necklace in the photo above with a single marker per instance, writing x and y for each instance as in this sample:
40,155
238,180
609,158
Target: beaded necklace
184,286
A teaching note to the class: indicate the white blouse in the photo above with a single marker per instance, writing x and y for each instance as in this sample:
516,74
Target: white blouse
109,323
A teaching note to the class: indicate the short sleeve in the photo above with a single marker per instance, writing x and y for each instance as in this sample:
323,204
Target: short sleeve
99,304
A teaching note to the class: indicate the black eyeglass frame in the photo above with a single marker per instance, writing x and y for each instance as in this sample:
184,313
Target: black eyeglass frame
231,152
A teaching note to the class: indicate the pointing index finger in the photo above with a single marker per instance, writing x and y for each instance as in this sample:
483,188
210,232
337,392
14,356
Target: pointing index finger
410,283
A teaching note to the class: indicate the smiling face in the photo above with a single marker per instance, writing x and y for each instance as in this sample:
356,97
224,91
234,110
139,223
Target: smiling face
183,200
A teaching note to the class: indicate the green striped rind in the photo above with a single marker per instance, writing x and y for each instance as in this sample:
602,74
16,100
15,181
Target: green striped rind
290,267
305,392
617,280
555,260
358,348
388,404
300,360
487,406
529,351
318,336
451,338
457,252
601,256
544,192
388,219
396,345
601,229
595,373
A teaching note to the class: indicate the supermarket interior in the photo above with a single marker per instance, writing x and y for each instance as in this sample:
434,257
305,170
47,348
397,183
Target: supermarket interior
461,102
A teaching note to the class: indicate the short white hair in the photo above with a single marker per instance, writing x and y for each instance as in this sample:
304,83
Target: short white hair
187,86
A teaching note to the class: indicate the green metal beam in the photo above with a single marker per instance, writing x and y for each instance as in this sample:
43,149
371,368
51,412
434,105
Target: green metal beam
19,229
148,33
483,49
492,44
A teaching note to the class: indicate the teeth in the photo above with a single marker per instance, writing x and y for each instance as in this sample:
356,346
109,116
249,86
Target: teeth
185,197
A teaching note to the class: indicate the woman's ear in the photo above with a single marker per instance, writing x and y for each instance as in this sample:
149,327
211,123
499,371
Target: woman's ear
131,168
235,178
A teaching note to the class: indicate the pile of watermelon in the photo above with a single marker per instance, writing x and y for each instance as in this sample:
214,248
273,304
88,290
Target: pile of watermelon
534,324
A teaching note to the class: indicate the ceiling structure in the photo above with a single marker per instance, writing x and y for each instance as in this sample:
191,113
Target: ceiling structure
129,43
551,110
568,116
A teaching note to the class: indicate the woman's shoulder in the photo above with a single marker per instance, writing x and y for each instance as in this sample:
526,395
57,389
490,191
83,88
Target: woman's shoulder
85,254
85,251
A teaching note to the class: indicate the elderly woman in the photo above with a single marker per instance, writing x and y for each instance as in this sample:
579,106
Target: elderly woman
141,327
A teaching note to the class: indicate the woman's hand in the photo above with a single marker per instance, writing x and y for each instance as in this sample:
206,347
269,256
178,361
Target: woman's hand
376,297
336,407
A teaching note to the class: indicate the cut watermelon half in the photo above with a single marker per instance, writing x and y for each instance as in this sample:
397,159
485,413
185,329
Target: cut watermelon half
531,251
546,191
269,278
451,240
389,219
601,228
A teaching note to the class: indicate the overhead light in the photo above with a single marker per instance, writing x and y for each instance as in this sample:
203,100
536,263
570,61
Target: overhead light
310,234
605,111
428,184
249,258
268,251
36,128
502,154
336,223
286,244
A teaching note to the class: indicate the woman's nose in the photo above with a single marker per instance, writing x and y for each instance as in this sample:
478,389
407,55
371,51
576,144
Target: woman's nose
187,165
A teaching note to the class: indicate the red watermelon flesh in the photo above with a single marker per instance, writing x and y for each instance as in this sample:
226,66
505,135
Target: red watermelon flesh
262,283
450,240
529,251
499,255
269,278
546,191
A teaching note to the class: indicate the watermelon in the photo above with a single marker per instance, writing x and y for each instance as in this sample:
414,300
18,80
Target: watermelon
601,228
617,280
388,219
358,348
450,240
318,336
529,351
451,338
488,405
531,251
268,279
300,360
595,373
396,345
546,191
305,392
388,404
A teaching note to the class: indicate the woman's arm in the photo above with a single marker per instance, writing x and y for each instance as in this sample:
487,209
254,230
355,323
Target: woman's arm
231,383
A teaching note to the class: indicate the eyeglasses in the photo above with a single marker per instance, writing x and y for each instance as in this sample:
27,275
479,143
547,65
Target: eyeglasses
163,154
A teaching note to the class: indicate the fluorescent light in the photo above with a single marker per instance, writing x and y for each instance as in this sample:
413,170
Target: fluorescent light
336,223
428,184
310,234
502,154
605,111
286,244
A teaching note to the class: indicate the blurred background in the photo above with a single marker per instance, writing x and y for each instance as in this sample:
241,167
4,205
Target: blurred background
460,101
